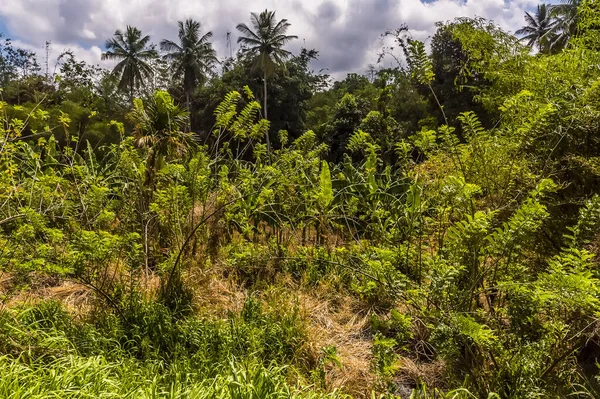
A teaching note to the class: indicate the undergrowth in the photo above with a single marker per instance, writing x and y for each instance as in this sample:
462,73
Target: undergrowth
456,259
48,353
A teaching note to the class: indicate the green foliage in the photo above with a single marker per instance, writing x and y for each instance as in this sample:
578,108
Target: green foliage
245,125
384,357
587,226
132,51
419,63
325,194
73,360
194,258
397,326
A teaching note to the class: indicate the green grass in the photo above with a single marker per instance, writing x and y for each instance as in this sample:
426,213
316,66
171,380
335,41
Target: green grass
255,354
75,376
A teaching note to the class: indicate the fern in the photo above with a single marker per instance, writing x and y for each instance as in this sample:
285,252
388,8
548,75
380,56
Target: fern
260,129
245,124
587,226
402,150
526,221
472,229
480,334
226,110
283,137
523,223
570,284
359,140
425,140
306,142
248,92
471,124
419,63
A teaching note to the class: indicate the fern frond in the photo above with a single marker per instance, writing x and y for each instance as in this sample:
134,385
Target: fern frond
226,110
587,226
419,62
471,124
248,92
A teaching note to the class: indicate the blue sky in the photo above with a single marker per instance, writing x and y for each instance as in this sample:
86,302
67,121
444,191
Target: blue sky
346,32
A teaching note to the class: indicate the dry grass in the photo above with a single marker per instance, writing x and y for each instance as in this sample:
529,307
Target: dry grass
345,328
332,317
76,297
412,373
215,293
330,321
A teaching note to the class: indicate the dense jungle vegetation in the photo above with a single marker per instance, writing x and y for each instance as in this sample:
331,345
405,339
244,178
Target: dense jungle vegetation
187,226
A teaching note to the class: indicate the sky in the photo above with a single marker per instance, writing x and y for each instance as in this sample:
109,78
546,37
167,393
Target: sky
347,33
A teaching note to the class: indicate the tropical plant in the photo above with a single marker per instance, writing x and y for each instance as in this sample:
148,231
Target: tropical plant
564,26
158,127
538,28
265,44
193,57
133,52
421,68
218,270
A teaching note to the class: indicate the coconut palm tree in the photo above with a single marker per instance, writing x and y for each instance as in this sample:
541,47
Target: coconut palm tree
265,44
538,27
131,49
193,57
564,26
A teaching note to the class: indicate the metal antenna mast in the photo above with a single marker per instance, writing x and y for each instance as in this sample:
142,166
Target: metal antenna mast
47,58
229,47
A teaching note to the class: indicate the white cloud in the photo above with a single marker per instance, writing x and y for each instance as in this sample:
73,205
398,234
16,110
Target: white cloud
91,55
346,32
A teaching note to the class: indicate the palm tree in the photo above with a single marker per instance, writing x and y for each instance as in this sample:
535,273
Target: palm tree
157,127
265,43
132,50
537,29
564,27
194,56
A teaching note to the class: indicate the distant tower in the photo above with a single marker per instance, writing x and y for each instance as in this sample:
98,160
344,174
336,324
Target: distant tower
371,72
229,47
47,58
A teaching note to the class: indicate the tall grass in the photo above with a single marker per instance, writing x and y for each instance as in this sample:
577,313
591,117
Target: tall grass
94,377
150,354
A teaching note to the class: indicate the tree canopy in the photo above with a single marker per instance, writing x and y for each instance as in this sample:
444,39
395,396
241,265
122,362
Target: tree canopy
131,49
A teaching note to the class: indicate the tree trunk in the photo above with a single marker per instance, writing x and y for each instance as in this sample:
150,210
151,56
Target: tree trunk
265,106
188,104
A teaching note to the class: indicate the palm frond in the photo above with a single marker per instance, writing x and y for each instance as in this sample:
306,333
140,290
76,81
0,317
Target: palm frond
193,56
249,34
169,46
131,48
265,42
